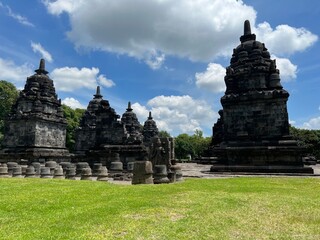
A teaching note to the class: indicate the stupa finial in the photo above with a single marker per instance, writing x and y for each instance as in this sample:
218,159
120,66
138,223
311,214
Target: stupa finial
150,116
97,95
247,35
129,109
247,28
42,67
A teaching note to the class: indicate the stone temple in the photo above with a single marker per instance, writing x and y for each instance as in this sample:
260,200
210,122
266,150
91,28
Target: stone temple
252,133
85,135
36,127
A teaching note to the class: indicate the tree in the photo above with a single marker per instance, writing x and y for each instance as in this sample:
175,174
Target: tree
194,145
73,120
8,96
199,143
308,139
164,134
183,146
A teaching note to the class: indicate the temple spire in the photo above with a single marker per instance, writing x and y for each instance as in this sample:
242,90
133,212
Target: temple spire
97,95
247,35
150,116
129,109
247,28
42,67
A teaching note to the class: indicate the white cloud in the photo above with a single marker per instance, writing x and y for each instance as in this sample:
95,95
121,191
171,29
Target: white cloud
155,61
9,71
73,103
37,48
292,122
178,114
21,19
71,78
313,123
284,39
141,111
198,30
103,81
212,79
288,71
60,6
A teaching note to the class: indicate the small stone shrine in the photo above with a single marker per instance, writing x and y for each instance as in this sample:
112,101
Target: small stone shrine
150,130
36,127
86,133
252,133
115,136
133,126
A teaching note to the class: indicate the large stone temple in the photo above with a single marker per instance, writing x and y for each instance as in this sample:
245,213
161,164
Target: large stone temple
36,127
252,133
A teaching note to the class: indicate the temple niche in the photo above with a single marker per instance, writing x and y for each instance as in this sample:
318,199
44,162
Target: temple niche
252,133
36,127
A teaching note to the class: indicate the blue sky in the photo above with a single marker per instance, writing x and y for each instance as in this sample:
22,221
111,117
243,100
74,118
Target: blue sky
162,55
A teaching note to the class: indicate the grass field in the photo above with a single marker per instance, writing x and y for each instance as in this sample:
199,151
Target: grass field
236,208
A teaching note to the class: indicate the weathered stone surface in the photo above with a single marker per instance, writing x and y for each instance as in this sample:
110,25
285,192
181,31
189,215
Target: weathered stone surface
253,128
132,125
96,168
176,174
45,172
17,172
150,130
36,127
112,135
85,135
4,171
58,173
160,174
71,173
142,173
161,151
86,174
30,172
103,174
80,166
108,129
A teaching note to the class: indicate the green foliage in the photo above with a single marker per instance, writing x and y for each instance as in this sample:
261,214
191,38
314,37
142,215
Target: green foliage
193,145
234,208
164,134
8,96
309,139
183,146
73,119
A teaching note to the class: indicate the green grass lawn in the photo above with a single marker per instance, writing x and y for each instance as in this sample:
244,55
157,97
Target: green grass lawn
235,208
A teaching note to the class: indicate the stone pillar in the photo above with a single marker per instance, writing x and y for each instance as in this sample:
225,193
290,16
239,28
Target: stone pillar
4,171
71,173
142,173
160,174
58,172
86,174
103,174
30,172
17,172
45,172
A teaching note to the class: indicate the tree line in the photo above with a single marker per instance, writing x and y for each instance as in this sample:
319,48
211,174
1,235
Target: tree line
186,146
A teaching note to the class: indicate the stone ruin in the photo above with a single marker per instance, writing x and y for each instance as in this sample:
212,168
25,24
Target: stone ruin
36,127
35,137
252,133
103,137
